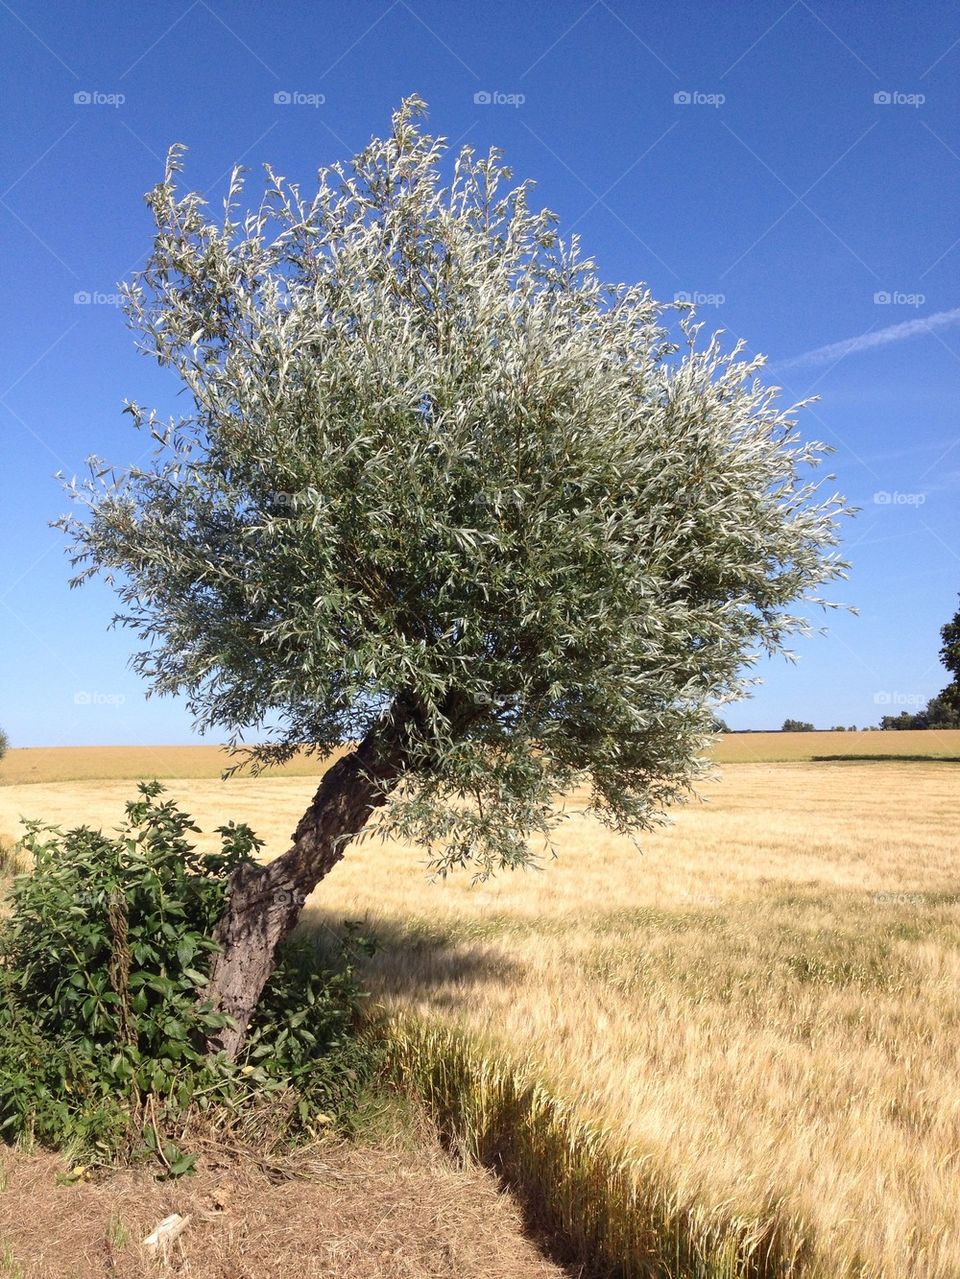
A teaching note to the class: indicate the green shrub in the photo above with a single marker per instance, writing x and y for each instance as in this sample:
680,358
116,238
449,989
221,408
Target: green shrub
103,1029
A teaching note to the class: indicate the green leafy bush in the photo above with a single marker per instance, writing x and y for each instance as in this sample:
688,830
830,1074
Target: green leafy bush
103,1027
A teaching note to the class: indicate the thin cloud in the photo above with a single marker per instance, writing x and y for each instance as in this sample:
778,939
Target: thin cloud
880,337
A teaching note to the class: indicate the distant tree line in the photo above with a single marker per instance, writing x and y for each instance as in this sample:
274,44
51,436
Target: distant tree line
939,712
942,711
804,726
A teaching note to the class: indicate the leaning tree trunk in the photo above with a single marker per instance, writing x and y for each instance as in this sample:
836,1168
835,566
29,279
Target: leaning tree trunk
265,901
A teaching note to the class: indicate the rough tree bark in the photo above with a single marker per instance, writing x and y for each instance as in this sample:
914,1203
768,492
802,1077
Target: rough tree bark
265,901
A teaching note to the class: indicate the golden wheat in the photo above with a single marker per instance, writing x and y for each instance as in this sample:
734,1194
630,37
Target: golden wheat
114,763
101,763
744,1037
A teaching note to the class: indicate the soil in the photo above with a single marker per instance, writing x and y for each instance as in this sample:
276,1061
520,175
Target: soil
338,1210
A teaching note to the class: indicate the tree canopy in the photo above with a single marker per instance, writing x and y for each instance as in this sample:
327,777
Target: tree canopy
436,469
942,711
950,656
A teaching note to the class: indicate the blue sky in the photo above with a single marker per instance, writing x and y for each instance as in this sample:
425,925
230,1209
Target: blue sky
794,167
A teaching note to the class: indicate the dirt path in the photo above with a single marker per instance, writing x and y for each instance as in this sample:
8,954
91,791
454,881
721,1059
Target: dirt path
352,1213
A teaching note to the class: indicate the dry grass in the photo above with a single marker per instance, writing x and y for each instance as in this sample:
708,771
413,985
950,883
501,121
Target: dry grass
96,763
339,1213
733,748
760,1009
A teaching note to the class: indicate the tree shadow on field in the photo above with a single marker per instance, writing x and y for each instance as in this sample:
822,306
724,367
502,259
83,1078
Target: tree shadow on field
431,965
436,963
409,957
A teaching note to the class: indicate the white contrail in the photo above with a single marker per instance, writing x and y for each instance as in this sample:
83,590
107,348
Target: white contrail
880,337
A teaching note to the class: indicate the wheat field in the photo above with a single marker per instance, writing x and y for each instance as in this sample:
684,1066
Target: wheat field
758,1009
98,763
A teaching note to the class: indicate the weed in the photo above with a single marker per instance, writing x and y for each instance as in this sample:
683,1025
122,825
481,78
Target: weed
103,1025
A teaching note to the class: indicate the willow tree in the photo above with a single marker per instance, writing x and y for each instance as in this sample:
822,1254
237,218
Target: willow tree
446,497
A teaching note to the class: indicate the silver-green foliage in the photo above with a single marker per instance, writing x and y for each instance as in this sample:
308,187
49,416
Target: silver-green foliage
435,463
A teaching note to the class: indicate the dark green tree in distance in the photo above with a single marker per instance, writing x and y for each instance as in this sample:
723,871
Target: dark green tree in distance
950,656
942,711
939,712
